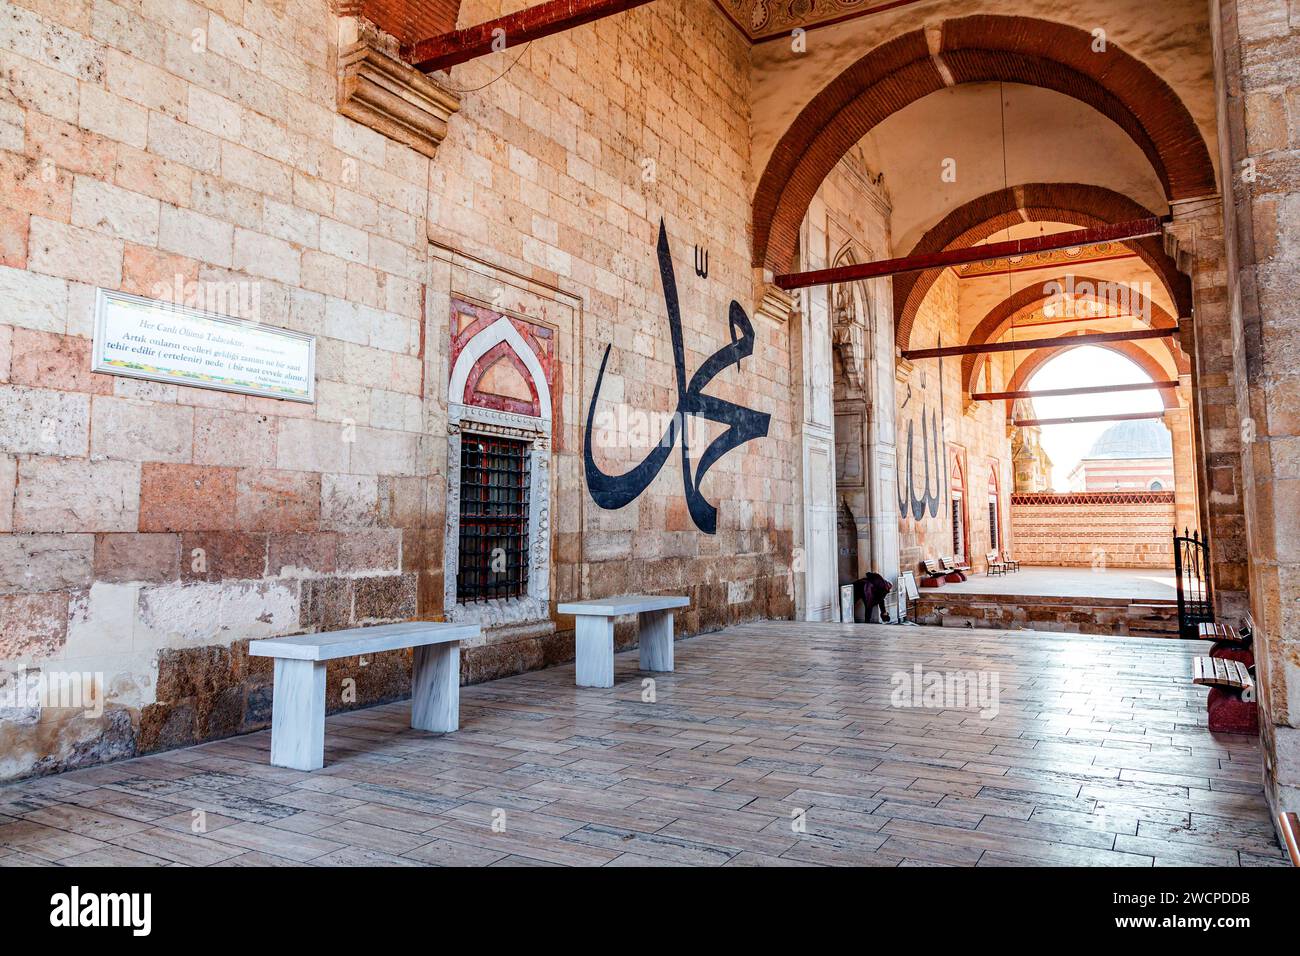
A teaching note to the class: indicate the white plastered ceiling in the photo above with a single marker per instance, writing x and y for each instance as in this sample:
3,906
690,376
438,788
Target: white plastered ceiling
1171,37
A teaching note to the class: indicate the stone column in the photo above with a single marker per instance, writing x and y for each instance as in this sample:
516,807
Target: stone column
1178,421
880,435
1254,43
1195,238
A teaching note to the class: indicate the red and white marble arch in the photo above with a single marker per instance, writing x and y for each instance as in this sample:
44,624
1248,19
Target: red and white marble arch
492,339
489,384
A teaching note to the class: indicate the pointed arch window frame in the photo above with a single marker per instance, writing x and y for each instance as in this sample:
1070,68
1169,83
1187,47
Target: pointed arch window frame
465,419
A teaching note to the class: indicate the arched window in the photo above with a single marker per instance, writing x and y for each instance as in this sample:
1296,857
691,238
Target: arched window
499,412
995,511
958,511
1157,486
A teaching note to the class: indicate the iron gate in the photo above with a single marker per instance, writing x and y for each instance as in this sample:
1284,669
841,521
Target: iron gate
1192,572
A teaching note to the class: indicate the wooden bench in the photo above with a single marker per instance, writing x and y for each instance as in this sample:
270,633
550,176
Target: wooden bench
1011,563
951,566
1216,672
995,564
1241,637
594,633
298,704
935,575
1224,633
1231,705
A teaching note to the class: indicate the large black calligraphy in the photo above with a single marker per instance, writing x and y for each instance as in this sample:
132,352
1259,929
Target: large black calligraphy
933,447
744,424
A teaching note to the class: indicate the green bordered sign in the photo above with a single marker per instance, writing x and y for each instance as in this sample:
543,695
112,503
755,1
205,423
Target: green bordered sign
162,342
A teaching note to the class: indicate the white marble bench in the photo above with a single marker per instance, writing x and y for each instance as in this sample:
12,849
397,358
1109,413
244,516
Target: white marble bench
298,706
594,634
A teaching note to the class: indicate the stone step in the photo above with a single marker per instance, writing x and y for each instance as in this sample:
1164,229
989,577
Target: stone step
1153,620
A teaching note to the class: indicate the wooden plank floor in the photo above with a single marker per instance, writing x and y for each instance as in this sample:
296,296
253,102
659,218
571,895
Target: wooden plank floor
773,744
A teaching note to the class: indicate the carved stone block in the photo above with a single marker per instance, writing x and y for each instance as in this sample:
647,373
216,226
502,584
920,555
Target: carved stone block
770,301
387,95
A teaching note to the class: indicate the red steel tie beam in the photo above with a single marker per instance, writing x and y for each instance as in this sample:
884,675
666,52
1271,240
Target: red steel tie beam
1131,416
1058,392
1092,338
1118,232
531,23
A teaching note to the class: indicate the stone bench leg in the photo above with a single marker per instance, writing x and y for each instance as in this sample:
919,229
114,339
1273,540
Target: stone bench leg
656,640
594,650
435,688
298,714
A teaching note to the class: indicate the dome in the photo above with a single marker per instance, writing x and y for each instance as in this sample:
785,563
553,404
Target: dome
1142,438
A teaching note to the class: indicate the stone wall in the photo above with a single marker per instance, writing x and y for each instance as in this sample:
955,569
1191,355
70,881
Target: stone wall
1071,615
1256,45
194,155
973,437
557,177
848,222
147,531
1094,529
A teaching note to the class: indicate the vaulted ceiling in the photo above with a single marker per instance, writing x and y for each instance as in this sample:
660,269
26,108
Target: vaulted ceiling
767,19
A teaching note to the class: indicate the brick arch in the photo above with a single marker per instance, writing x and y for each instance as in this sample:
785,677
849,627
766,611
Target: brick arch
972,49
1077,204
407,20
1130,350
1024,303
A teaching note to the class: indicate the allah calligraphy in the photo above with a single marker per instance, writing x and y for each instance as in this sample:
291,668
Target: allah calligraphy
612,492
931,451
932,456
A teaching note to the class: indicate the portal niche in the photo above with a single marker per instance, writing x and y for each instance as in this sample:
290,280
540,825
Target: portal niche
499,420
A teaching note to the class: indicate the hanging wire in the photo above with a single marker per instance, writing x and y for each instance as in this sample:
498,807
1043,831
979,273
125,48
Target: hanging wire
1006,184
474,89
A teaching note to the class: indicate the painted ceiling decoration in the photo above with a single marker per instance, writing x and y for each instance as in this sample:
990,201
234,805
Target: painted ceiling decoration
1102,252
768,19
1039,317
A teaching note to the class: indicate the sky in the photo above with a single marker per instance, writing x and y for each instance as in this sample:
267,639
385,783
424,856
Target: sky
1088,365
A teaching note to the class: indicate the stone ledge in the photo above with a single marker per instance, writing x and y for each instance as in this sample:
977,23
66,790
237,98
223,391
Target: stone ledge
1115,617
770,301
387,95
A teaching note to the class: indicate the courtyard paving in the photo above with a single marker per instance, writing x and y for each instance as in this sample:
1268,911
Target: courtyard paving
773,743
1132,584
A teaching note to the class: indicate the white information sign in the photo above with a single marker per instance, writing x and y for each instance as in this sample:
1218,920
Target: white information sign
162,342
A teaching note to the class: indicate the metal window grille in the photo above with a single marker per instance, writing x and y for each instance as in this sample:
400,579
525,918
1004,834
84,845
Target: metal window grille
958,550
993,523
494,483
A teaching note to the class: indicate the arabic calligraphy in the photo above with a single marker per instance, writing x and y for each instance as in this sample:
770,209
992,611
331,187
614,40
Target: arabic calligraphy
612,492
927,501
932,449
